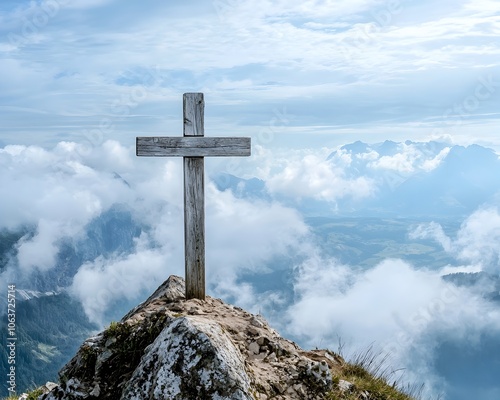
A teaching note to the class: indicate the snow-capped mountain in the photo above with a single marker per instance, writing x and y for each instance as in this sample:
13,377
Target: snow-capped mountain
402,179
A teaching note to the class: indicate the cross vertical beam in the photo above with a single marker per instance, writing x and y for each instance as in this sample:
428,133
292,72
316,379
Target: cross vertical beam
194,200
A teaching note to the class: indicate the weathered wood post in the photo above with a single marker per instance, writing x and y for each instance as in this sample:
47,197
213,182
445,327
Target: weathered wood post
194,200
193,146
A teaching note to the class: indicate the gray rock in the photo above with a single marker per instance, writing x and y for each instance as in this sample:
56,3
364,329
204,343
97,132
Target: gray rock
345,386
50,386
254,348
96,391
171,290
272,358
256,321
262,341
252,331
192,358
321,372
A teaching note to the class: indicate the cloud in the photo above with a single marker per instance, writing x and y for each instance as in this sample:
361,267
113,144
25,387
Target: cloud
57,193
476,243
53,185
339,294
243,236
233,224
240,237
317,178
76,58
40,250
399,310
101,284
433,163
434,231
409,158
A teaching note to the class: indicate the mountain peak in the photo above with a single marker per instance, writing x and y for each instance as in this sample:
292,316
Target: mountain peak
387,148
169,347
356,147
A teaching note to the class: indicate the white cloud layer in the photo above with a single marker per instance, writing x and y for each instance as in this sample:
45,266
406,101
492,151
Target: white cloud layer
400,311
59,192
477,241
314,177
403,310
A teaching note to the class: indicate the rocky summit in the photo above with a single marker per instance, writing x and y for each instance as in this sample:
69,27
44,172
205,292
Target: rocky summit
172,348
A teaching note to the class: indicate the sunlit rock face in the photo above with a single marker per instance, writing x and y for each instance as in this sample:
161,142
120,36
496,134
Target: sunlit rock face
191,357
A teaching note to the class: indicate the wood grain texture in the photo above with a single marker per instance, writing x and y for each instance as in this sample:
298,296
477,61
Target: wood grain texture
194,227
194,197
194,114
193,146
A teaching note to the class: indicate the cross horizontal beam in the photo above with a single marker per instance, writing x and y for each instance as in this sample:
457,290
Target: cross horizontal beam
193,146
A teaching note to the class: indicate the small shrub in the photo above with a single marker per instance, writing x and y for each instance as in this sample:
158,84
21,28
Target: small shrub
115,329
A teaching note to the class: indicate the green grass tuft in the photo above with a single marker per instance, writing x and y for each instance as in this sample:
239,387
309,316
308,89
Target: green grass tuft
35,394
369,373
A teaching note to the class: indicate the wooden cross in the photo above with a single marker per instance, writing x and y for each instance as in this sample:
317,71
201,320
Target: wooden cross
193,146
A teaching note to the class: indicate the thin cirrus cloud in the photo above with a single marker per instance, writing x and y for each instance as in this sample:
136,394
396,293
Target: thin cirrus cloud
379,66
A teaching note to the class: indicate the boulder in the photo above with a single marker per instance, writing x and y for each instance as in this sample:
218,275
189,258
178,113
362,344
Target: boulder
191,357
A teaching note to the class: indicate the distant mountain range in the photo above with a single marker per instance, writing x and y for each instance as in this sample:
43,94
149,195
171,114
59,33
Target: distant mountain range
51,324
411,179
49,329
463,180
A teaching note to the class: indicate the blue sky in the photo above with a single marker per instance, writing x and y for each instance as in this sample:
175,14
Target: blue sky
289,74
